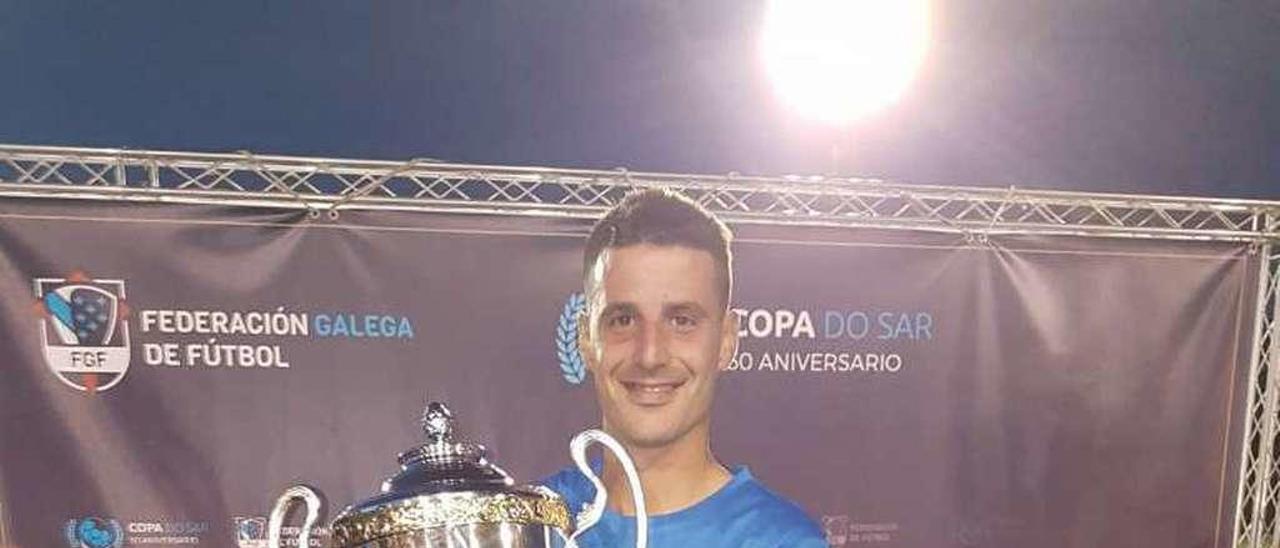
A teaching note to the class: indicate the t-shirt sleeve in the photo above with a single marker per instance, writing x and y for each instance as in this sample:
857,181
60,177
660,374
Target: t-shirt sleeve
555,482
791,538
788,526
803,539
802,533
571,485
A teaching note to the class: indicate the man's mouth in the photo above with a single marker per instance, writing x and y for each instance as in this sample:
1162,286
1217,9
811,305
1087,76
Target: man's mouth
651,392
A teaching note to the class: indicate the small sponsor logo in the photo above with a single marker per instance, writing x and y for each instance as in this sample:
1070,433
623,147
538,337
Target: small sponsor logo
841,530
251,532
837,529
93,532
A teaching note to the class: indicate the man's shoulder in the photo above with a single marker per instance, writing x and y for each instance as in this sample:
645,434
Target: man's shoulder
572,485
772,515
744,513
564,476
763,499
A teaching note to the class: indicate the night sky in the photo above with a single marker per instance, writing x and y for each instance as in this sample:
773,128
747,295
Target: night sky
1149,96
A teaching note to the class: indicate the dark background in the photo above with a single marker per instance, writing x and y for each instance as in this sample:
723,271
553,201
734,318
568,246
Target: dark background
1151,96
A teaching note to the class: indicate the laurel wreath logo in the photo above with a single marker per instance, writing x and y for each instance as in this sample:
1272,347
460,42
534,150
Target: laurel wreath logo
572,366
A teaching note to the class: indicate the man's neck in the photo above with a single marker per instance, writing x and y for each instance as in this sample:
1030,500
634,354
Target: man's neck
673,477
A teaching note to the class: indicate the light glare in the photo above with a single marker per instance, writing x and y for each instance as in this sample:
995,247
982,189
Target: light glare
835,60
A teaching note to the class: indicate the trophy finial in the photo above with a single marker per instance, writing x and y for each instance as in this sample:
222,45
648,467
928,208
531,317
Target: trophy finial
437,423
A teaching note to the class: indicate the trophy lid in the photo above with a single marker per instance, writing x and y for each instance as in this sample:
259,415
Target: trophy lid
442,464
445,482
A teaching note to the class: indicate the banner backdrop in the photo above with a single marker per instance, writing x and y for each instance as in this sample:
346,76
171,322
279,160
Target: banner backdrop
168,369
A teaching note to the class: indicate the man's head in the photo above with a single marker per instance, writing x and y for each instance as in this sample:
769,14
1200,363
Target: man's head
658,332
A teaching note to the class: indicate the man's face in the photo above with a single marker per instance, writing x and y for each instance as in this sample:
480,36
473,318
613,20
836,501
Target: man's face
658,338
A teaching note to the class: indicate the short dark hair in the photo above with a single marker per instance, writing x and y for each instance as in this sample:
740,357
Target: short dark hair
659,216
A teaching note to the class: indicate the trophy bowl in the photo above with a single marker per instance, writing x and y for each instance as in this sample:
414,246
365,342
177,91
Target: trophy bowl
447,494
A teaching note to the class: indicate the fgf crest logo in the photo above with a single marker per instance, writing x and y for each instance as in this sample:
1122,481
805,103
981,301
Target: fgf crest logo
83,330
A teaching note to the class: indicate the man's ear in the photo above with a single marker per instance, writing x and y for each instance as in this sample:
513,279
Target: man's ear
728,339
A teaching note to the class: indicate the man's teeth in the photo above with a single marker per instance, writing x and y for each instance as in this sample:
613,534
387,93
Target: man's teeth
655,388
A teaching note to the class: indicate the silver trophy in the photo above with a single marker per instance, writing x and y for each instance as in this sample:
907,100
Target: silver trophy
447,495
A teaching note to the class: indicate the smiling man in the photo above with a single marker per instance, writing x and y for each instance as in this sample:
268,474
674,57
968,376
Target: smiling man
657,334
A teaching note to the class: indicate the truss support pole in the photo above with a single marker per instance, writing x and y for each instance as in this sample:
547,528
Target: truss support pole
1256,497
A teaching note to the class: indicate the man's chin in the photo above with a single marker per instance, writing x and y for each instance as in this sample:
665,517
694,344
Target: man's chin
639,437
649,441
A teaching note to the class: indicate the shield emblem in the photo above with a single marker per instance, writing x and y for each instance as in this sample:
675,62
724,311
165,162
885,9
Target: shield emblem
83,332
82,315
251,532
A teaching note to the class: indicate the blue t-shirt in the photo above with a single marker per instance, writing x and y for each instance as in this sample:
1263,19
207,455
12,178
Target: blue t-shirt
742,514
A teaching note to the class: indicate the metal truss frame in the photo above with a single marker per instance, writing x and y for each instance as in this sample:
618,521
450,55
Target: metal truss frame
1258,498
329,186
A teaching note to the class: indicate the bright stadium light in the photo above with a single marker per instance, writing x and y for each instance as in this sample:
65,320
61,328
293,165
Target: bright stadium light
835,60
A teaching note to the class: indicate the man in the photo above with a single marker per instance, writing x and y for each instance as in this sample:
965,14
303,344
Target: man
656,335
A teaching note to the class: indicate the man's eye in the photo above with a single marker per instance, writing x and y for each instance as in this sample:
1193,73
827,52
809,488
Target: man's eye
684,322
621,320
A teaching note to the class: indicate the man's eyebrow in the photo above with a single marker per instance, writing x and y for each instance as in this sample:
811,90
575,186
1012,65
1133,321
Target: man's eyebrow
614,308
685,307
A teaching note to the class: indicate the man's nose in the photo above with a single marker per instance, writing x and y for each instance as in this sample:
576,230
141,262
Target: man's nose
653,351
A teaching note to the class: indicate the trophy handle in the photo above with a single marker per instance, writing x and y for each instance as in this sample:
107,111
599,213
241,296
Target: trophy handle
595,509
310,500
